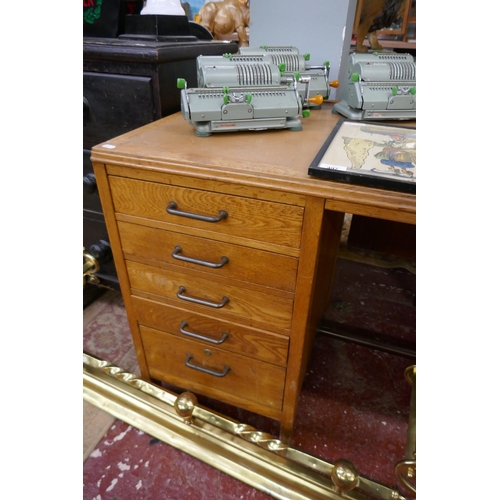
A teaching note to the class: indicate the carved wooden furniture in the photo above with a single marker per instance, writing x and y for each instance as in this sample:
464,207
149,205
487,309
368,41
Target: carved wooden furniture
225,249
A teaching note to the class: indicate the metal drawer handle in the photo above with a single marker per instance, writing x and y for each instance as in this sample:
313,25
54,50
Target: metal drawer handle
172,210
223,373
222,303
178,250
183,330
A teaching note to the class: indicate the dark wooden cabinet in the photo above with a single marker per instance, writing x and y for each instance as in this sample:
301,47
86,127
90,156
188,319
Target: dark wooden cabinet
127,83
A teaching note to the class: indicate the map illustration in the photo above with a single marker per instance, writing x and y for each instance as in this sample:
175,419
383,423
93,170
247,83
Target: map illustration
376,149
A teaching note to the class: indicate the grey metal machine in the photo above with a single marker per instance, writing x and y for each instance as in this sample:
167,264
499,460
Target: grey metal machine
248,92
379,86
295,62
312,84
232,108
256,89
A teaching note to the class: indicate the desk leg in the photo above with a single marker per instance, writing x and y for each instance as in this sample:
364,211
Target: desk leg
318,255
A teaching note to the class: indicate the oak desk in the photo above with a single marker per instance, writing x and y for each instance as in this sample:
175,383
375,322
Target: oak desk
225,250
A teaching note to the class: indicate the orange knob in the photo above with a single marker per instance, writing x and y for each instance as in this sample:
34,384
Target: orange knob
317,99
334,84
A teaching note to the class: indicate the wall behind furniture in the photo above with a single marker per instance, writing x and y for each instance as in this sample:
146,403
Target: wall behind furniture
321,28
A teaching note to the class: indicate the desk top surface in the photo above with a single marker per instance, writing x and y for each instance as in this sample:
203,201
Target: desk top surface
275,159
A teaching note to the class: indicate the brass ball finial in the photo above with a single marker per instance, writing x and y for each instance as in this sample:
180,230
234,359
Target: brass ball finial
344,475
411,374
184,406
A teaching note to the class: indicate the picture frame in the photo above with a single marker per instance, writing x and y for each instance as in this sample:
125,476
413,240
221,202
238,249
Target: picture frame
370,154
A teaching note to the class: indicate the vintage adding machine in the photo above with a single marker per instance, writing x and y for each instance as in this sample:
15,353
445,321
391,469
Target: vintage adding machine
379,86
294,62
232,98
241,70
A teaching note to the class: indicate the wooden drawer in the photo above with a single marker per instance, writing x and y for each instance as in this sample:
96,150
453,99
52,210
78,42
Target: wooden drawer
244,264
247,218
233,377
258,344
272,312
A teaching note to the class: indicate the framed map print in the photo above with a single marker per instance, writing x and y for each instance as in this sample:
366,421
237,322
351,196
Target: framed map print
369,154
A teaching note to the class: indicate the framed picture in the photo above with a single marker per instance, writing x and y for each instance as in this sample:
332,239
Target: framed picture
369,154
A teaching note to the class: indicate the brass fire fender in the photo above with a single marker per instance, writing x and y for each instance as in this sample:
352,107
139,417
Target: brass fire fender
253,457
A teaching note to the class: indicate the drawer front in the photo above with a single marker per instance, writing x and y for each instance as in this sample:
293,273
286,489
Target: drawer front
243,217
210,332
220,299
232,261
181,362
